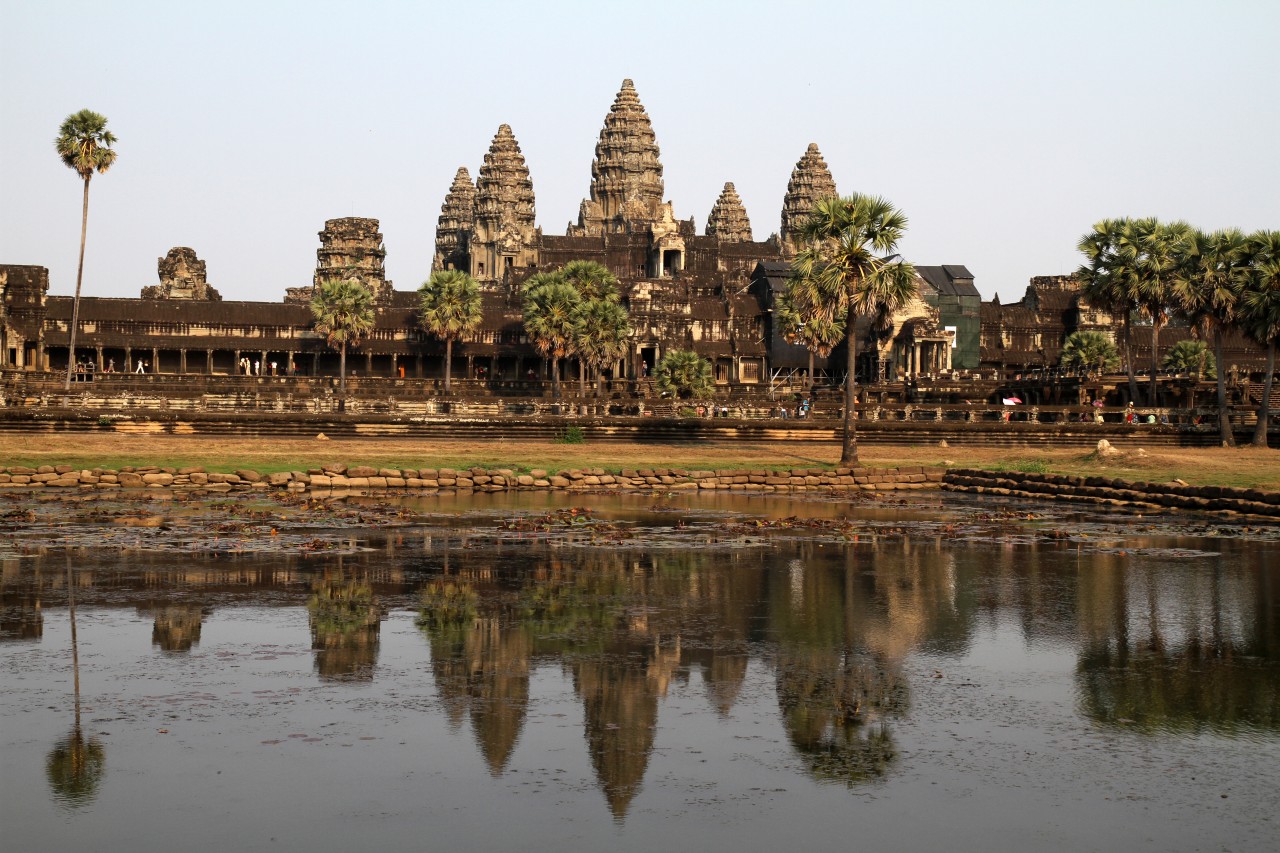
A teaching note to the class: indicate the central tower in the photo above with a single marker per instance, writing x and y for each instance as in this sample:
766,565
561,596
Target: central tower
626,174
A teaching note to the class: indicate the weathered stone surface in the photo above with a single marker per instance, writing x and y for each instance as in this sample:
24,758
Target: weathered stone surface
279,478
453,228
504,211
362,471
728,221
182,276
248,475
157,479
810,181
626,174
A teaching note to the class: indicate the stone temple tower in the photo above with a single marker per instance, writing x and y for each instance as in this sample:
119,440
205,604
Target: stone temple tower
810,181
453,229
626,175
351,248
503,234
728,221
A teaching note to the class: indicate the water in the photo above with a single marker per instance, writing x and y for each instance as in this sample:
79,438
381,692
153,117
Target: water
661,672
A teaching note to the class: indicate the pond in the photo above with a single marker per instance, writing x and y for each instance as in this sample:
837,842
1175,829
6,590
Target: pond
642,672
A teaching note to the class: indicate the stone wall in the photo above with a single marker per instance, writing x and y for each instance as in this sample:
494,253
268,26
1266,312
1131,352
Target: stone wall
1102,490
340,477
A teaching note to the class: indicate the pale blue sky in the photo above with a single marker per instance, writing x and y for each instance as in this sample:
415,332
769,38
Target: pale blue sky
1002,129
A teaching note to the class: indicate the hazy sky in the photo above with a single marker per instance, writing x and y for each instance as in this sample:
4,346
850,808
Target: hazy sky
1002,129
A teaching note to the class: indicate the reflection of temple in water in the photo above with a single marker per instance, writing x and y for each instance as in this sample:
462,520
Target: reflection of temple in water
177,626
1184,647
345,623
21,616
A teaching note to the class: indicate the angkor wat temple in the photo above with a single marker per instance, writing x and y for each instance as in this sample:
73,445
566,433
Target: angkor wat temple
711,292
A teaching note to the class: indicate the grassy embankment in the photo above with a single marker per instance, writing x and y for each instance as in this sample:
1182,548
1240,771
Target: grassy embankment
1245,467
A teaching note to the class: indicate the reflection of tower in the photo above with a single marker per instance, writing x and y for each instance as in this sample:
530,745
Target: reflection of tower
834,708
177,627
481,665
621,705
21,615
344,625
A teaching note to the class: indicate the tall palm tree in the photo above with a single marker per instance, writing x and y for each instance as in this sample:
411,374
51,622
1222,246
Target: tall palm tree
552,318
344,314
84,144
1260,314
1154,250
603,334
1208,292
450,307
851,256
1109,282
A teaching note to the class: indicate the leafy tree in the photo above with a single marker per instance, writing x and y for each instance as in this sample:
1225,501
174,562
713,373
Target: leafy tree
595,284
450,308
806,320
1260,314
1109,281
602,335
851,259
84,144
1090,351
552,318
684,374
344,313
1208,289
1191,357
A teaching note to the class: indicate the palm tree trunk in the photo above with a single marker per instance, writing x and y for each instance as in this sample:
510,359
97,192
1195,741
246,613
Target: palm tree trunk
1224,415
849,453
1155,358
809,377
342,376
582,377
448,362
555,377
1128,354
75,303
1264,410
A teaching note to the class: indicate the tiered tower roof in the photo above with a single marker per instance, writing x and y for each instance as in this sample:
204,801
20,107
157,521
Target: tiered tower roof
810,181
728,220
626,174
454,224
504,191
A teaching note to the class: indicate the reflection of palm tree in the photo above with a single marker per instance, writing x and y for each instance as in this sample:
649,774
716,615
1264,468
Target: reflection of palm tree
345,623
75,766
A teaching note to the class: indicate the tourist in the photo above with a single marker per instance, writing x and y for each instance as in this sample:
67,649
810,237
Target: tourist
140,367
273,368
257,368
111,365
1128,413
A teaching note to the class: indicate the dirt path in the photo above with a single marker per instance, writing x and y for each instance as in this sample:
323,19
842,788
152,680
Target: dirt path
1246,467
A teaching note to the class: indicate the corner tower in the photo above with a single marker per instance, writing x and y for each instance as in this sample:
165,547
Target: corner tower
453,228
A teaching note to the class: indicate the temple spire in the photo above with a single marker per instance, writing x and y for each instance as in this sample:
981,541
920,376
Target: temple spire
728,221
810,181
626,174
503,234
454,225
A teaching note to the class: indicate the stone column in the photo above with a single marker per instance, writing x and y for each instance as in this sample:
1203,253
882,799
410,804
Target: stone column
208,361
98,358
182,361
154,367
